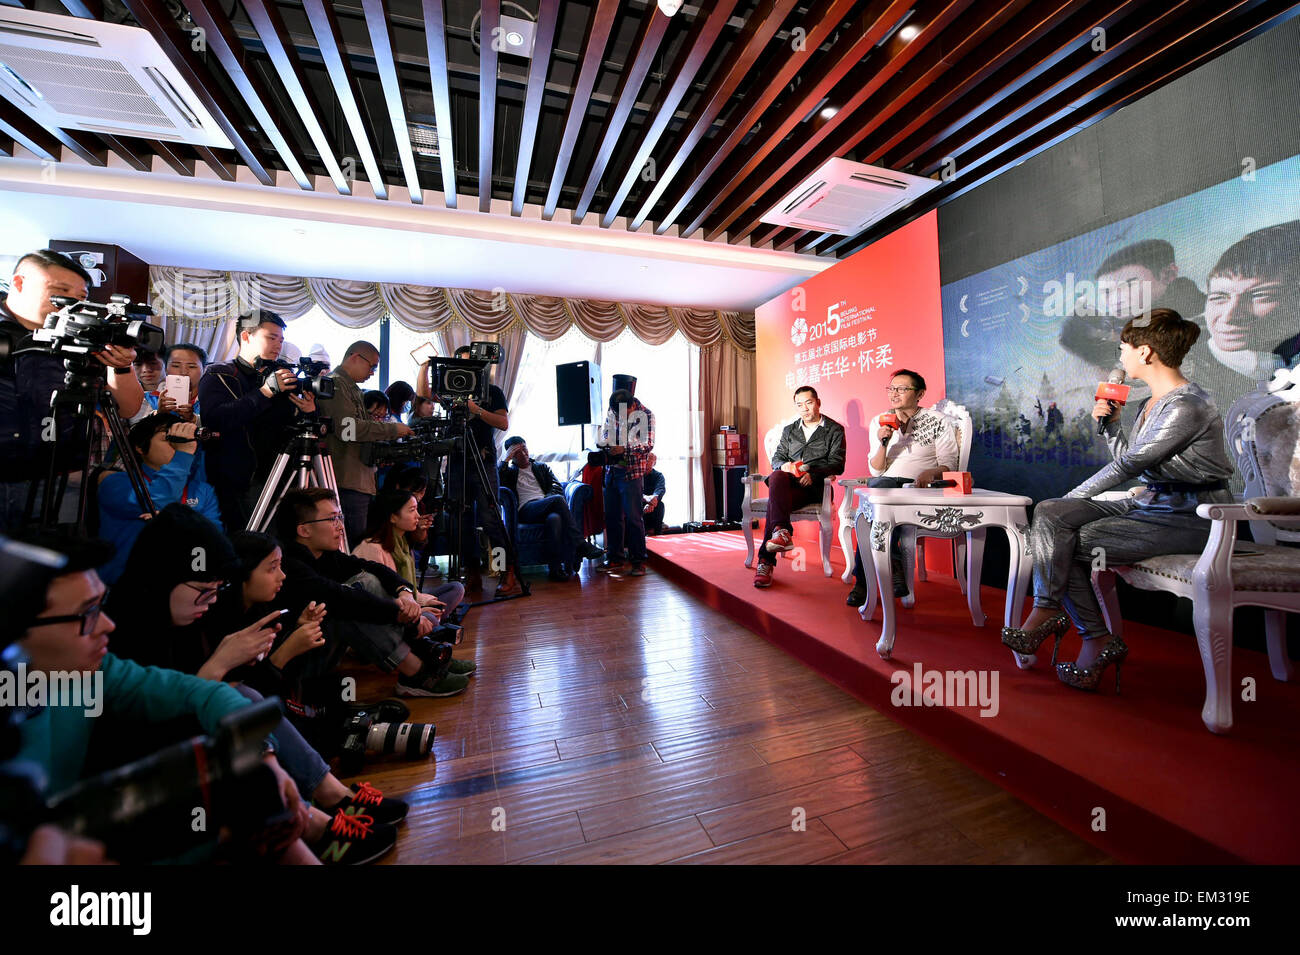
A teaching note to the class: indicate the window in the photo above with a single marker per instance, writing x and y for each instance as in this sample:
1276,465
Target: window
533,412
317,328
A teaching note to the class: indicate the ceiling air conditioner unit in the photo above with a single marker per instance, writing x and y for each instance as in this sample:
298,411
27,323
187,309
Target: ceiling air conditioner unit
109,78
844,197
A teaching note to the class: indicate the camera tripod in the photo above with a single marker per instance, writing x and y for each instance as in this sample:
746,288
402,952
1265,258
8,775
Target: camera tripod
305,462
466,453
84,392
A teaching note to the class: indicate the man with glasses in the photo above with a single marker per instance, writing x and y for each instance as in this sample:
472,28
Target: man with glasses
353,428
251,410
917,451
810,451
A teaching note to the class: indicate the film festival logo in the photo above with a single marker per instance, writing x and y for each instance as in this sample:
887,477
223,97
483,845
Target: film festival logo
799,331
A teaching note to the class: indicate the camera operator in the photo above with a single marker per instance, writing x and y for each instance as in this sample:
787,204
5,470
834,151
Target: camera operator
29,380
353,429
250,410
70,636
483,425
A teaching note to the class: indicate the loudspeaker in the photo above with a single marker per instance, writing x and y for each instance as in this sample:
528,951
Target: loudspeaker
577,393
112,269
728,478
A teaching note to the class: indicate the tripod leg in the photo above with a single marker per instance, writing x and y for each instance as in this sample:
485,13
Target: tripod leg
271,494
493,509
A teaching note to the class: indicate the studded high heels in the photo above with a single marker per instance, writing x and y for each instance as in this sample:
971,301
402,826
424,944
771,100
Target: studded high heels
1027,642
1089,678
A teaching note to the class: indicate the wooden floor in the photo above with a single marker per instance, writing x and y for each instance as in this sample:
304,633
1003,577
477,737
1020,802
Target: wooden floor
621,721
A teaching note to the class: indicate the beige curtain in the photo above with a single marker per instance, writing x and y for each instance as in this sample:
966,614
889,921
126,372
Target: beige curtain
728,396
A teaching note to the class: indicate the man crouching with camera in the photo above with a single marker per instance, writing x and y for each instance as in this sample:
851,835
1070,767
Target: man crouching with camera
30,376
250,408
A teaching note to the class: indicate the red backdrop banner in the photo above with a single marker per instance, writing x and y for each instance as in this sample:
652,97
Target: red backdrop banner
847,331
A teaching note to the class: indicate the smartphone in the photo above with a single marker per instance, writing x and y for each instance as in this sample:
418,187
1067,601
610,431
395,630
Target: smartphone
262,656
178,388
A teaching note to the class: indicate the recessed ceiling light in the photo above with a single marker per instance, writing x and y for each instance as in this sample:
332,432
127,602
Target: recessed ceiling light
909,33
669,7
515,38
645,268
829,111
299,231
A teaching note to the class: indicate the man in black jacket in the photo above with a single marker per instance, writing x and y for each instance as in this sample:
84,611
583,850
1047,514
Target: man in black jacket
29,376
810,451
652,492
540,498
250,410
370,608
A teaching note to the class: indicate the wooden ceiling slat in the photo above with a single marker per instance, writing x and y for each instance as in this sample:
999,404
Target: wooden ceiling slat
783,242
381,42
225,43
1033,42
127,150
79,8
1070,70
435,37
329,39
28,133
756,103
1184,49
762,25
705,33
489,30
548,17
171,154
269,24
654,25
868,29
765,234
874,74
593,53
216,163
154,16
969,42
6,147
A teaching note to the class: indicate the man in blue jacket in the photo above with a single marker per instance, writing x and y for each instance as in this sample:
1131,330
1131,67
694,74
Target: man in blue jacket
166,447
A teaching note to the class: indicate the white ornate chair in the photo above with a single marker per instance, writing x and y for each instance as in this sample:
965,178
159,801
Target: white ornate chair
756,508
912,544
1263,434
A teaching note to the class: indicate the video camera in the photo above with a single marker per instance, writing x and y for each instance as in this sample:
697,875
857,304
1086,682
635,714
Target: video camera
79,329
430,438
457,380
309,374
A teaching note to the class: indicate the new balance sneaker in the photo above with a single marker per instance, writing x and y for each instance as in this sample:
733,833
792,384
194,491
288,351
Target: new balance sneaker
422,684
369,801
354,840
763,575
780,541
462,667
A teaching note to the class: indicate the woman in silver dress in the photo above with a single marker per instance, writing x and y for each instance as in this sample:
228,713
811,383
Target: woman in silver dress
1177,452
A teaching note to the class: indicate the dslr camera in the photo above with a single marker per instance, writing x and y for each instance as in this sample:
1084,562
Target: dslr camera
309,374
79,329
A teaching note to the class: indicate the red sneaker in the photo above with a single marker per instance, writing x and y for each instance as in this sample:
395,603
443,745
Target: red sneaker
763,575
780,541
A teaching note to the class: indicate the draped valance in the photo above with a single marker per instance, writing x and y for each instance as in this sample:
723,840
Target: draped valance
201,299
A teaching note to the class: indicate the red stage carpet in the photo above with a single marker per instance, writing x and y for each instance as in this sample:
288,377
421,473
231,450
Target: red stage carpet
1138,775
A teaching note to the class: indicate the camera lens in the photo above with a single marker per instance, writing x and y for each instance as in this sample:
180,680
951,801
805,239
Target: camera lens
410,740
461,381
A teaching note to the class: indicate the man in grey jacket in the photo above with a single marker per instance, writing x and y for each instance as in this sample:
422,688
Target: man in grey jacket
810,451
353,428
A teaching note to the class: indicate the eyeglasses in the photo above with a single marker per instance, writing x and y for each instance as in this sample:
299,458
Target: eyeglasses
88,618
208,594
889,389
333,518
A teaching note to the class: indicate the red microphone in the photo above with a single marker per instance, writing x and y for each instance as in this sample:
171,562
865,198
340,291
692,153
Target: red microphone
889,420
1114,392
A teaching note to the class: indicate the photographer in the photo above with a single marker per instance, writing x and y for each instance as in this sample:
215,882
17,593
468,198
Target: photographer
483,425
29,380
250,410
166,447
71,636
354,428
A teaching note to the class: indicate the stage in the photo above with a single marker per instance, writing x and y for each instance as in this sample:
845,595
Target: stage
1138,775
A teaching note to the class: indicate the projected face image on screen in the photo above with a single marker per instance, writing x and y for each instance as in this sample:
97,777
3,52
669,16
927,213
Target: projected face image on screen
1027,342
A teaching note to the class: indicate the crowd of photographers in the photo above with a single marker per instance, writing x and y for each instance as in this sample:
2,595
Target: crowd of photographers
205,620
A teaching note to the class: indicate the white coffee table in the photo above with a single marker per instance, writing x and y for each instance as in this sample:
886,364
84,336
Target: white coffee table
882,510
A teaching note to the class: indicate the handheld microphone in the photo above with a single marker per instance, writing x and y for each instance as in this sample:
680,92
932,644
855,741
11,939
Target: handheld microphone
889,420
1114,392
200,434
